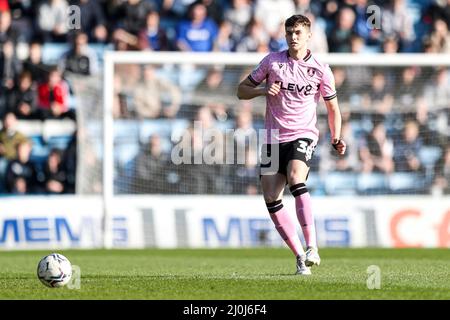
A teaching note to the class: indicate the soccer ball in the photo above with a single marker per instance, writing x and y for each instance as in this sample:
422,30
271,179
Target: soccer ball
54,270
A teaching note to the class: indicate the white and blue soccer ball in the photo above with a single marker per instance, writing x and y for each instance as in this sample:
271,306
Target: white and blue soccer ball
54,270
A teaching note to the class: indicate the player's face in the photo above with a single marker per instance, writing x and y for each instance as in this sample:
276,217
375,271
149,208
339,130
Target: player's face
297,36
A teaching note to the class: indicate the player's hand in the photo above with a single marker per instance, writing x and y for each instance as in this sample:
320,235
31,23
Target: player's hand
274,89
339,145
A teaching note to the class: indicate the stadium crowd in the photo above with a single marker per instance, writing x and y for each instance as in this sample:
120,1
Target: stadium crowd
396,120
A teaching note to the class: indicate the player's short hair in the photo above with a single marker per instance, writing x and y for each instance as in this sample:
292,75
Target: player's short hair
297,19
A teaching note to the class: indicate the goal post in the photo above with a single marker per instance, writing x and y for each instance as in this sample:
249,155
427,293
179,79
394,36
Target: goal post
235,60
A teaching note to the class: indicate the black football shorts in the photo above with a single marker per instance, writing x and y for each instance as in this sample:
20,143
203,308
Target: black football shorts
275,157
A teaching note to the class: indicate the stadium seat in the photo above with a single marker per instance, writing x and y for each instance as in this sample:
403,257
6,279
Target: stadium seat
315,184
125,152
40,150
179,126
372,183
405,183
126,130
147,128
429,155
52,52
340,183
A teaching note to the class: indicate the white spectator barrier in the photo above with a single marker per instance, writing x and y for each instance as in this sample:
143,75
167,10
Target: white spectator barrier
217,221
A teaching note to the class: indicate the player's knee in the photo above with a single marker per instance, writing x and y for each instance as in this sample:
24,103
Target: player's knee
271,197
298,189
295,177
274,206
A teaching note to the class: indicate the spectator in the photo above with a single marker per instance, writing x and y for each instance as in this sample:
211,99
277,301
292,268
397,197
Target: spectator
441,184
224,41
318,43
214,92
152,37
52,20
198,33
277,42
390,45
376,151
437,93
7,31
357,44
407,149
21,174
239,15
396,21
23,13
120,107
340,37
330,162
436,98
440,37
214,8
23,98
53,96
10,67
308,8
55,177
270,13
254,36
174,10
34,63
131,15
156,96
92,20
340,80
408,88
438,9
245,176
152,167
243,134
10,137
80,59
380,95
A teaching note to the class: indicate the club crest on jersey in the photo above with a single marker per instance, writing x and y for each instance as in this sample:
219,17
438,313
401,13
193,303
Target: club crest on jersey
311,72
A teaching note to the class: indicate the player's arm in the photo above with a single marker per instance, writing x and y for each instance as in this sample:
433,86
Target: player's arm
249,90
335,123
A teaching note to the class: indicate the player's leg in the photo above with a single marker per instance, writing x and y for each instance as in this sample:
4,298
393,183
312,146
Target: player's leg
297,173
273,187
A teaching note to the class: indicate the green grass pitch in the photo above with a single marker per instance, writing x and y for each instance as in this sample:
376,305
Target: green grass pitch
235,274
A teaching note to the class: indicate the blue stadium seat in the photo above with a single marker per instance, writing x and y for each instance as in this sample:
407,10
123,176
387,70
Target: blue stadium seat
126,130
429,155
223,125
147,128
405,183
340,183
52,52
40,150
372,183
126,152
59,142
315,184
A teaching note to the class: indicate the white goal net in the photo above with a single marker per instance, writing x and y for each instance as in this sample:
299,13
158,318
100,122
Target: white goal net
395,111
165,123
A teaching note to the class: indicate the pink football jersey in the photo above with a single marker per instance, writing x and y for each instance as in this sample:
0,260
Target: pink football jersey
291,114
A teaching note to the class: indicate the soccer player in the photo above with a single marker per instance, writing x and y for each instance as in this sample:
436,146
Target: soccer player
295,80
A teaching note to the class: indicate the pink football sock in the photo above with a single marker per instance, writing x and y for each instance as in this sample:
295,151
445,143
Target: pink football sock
285,227
304,213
